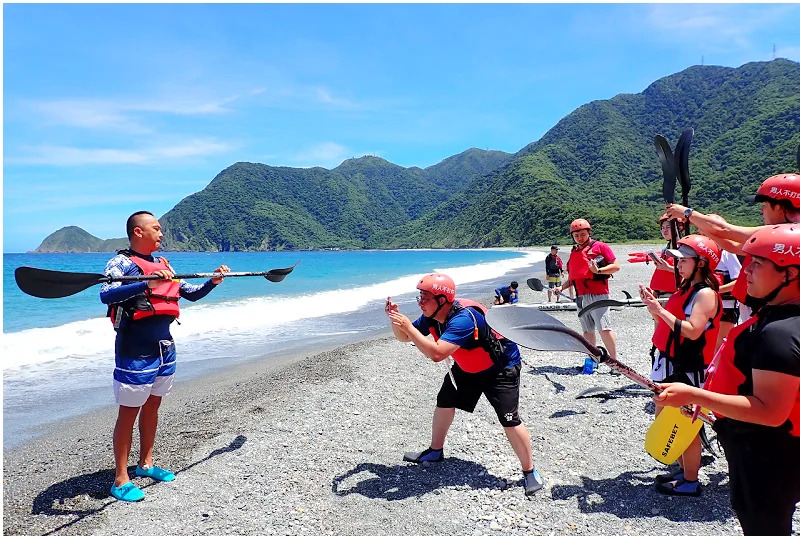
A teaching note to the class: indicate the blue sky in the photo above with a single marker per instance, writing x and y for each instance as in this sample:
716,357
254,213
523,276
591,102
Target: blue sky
110,108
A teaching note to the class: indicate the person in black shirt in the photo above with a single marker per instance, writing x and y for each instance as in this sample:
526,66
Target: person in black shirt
555,271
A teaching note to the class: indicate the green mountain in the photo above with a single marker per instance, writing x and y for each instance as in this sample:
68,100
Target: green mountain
251,206
73,239
599,162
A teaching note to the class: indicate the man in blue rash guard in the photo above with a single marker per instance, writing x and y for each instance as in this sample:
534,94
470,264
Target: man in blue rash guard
506,294
144,351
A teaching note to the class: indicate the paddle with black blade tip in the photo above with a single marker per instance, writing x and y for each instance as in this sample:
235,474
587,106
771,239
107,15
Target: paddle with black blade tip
615,303
682,157
44,283
538,286
533,329
669,169
536,330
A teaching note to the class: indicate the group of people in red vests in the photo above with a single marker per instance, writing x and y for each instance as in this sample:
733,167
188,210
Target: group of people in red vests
726,339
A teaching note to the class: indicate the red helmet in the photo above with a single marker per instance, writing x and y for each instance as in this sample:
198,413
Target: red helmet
697,246
778,243
779,187
579,224
438,285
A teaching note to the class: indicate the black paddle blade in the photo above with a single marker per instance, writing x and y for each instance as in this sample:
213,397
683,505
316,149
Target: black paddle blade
529,327
277,275
42,283
682,157
535,284
669,168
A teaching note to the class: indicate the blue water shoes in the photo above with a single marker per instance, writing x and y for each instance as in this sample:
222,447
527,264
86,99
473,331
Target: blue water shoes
154,472
127,492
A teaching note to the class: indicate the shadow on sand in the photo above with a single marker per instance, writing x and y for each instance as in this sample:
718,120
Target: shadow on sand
69,497
378,481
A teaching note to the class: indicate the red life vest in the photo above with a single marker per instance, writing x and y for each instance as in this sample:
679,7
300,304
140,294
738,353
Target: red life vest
740,288
474,359
161,300
663,280
726,378
687,355
586,282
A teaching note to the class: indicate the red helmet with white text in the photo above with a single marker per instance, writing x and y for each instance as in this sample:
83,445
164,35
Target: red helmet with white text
777,243
697,246
438,284
779,187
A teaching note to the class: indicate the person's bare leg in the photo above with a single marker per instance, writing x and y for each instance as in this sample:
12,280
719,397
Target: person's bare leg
520,440
442,419
610,341
148,424
122,440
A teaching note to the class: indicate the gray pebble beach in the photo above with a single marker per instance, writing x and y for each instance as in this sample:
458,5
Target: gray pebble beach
313,445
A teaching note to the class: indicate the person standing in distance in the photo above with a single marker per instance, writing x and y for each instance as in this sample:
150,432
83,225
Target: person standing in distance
554,268
484,364
144,350
590,265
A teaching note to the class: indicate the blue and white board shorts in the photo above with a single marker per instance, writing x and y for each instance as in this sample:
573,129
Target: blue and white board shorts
135,379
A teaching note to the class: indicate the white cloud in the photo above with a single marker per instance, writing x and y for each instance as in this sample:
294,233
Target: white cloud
324,154
92,200
70,156
123,115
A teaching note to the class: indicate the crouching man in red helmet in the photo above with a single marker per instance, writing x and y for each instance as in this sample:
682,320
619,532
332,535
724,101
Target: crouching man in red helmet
754,387
484,364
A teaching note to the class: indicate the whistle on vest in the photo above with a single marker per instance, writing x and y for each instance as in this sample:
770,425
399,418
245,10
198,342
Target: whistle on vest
475,333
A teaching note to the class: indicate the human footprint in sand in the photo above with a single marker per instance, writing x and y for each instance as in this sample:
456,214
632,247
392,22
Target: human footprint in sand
484,365
142,312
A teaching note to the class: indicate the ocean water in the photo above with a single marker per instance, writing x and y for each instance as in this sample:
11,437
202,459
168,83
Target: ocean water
58,353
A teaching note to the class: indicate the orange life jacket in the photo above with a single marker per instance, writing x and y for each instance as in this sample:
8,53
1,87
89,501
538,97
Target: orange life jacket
473,357
161,300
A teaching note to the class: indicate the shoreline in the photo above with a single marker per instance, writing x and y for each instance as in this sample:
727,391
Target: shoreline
312,444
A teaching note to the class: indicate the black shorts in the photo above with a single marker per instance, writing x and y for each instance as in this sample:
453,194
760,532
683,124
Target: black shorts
501,387
764,477
730,314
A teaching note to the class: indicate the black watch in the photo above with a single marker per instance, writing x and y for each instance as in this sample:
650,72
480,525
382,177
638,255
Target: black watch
687,213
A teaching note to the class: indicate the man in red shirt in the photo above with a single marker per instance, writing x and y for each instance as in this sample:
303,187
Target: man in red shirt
590,265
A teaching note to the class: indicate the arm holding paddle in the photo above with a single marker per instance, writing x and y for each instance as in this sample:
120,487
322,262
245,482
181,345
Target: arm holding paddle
729,237
774,395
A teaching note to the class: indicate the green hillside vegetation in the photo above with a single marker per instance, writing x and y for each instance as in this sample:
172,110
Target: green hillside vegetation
598,162
252,206
73,239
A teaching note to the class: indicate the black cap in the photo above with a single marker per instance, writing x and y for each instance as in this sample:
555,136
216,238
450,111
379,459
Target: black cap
554,247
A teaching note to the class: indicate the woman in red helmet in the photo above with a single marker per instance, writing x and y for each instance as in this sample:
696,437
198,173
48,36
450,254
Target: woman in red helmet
755,388
590,265
685,339
662,283
484,364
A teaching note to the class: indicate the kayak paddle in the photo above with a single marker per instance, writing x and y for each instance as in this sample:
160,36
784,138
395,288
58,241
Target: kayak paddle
44,283
536,330
538,286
